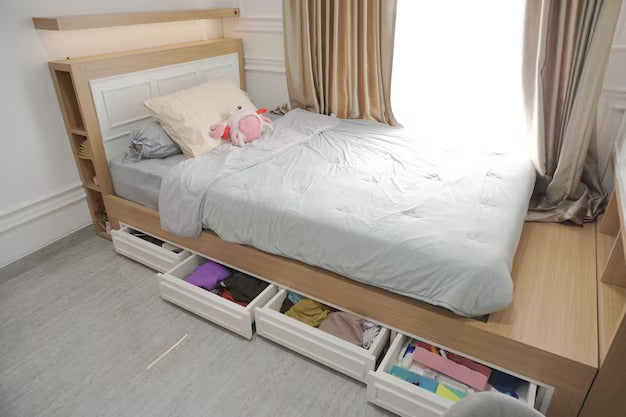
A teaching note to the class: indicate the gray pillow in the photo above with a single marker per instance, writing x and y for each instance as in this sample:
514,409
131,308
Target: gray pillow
150,141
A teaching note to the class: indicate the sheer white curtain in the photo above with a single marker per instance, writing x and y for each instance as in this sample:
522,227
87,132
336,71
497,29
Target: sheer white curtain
457,72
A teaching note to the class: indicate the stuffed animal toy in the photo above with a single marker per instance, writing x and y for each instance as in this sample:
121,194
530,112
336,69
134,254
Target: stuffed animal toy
242,126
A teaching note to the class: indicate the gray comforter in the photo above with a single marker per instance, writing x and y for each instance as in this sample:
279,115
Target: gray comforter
361,199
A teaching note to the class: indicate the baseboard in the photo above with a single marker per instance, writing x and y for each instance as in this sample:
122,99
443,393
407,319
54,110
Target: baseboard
29,226
19,214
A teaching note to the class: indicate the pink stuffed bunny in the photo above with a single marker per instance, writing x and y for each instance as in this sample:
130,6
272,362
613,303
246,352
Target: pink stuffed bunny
242,126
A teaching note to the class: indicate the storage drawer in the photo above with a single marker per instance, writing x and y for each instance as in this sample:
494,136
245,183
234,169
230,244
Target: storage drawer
234,317
332,351
145,252
408,400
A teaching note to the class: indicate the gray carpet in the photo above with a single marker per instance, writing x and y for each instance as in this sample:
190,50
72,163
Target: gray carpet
79,326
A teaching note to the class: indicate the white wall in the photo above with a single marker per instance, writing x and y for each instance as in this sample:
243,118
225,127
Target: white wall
612,102
41,198
261,28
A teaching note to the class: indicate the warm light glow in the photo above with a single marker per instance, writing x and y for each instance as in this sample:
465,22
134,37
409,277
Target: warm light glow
85,42
457,72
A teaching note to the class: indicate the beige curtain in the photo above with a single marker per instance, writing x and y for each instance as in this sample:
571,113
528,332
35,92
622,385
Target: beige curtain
567,44
339,55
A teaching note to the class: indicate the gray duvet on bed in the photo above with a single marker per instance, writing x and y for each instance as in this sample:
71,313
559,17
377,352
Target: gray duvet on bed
362,200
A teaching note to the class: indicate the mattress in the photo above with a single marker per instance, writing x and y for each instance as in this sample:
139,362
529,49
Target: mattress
366,201
141,181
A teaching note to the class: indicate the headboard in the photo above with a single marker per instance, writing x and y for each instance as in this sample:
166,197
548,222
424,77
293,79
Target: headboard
101,99
118,100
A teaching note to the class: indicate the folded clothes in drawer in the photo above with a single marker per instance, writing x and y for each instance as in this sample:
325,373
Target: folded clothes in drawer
462,369
217,293
407,387
343,343
342,324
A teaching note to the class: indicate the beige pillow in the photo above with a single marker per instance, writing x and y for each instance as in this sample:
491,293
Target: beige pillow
187,115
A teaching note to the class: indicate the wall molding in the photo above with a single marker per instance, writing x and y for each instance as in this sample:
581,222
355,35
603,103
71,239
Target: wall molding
614,90
261,64
17,215
259,24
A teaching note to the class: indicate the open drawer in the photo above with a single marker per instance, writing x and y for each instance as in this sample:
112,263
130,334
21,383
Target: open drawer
239,319
408,400
332,351
127,242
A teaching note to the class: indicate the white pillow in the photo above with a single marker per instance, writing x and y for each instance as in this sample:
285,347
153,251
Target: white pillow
187,115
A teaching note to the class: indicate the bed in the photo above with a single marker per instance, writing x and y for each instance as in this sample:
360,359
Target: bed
548,334
365,196
358,198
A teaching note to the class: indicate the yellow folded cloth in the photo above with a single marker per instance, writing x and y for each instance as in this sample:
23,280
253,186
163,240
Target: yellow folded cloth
309,312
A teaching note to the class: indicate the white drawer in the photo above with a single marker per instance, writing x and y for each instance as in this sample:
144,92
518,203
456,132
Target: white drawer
408,400
316,344
239,319
147,253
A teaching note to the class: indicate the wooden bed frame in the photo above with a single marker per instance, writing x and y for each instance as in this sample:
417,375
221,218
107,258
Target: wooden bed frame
549,334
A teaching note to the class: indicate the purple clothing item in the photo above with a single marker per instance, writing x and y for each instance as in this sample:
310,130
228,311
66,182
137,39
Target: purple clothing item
208,275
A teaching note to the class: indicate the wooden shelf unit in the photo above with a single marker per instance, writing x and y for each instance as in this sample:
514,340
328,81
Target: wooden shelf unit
89,21
606,396
89,173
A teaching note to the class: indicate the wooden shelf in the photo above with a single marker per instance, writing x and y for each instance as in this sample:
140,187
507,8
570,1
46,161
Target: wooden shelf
92,186
78,131
90,21
611,299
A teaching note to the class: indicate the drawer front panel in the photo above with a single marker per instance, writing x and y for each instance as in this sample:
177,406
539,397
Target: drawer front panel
382,390
207,305
408,400
215,309
316,344
145,252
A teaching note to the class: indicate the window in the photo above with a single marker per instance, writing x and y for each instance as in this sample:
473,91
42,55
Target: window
457,71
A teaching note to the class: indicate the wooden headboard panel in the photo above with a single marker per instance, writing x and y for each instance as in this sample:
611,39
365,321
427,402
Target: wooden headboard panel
74,78
118,100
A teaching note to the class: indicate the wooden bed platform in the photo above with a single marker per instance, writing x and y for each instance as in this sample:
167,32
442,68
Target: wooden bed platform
549,333
564,327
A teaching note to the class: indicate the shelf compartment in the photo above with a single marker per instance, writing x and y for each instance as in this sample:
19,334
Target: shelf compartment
69,102
83,150
79,131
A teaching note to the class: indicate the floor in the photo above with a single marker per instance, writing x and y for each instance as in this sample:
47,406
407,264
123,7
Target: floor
82,330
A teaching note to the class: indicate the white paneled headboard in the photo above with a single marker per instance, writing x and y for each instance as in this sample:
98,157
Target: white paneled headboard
119,100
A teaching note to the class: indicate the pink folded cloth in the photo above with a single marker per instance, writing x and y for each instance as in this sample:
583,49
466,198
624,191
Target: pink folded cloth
208,275
469,372
346,326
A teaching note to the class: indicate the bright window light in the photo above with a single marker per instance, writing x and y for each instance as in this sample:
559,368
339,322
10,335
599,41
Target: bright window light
457,72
